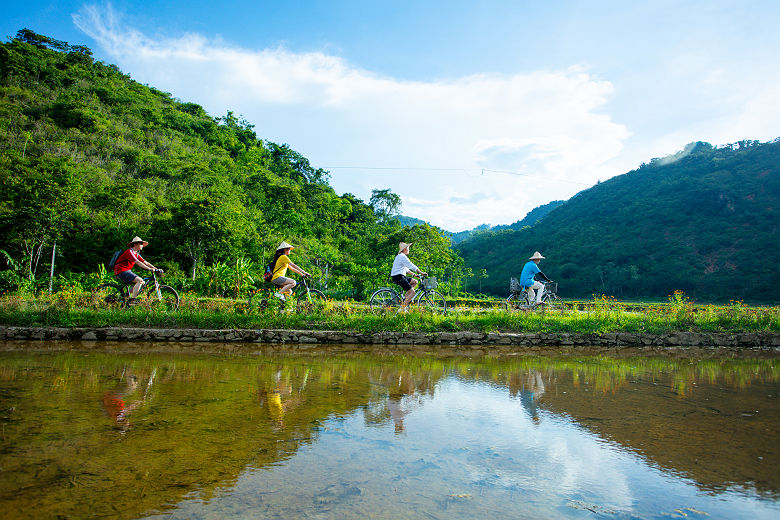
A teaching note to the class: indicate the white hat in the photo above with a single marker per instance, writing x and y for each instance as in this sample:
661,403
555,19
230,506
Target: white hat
137,239
403,245
284,245
537,256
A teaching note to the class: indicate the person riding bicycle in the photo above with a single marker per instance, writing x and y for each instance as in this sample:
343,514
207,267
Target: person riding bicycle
401,266
127,260
528,277
279,266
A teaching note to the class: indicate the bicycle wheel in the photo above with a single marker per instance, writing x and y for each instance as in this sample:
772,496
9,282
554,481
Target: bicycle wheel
257,300
384,300
262,301
552,302
433,301
165,300
109,295
517,300
308,302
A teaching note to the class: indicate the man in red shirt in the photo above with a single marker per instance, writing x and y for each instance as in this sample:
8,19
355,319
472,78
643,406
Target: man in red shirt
126,261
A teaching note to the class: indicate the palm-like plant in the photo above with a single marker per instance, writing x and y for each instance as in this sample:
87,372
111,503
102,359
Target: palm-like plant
241,275
219,276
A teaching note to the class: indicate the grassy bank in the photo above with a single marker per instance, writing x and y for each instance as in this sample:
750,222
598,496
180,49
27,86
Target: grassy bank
605,315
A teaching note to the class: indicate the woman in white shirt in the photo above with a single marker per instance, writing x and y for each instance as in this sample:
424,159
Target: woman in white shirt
401,267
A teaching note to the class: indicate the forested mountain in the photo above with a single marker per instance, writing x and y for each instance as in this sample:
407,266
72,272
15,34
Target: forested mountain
704,221
90,158
409,221
531,218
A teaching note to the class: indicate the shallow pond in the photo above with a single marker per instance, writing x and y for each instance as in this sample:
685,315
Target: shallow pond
214,436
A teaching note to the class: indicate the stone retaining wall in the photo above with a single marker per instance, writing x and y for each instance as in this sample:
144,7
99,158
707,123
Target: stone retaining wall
440,343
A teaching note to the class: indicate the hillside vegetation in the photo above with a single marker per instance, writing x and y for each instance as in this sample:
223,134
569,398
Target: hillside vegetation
704,221
90,158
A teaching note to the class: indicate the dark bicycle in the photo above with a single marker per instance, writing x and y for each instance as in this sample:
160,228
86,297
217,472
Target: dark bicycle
520,299
153,295
306,298
389,299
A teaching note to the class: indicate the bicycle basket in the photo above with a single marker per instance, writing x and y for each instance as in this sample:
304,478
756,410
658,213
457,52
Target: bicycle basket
514,285
430,283
551,287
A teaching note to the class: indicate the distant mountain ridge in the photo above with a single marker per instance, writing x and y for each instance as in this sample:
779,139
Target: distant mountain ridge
531,218
704,221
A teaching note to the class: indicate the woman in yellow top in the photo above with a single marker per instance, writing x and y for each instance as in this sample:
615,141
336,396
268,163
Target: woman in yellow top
279,268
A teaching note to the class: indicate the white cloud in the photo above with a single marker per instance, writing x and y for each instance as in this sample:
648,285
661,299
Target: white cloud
545,125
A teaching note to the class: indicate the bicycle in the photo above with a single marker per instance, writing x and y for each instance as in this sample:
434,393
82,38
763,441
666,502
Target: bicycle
388,298
153,295
306,298
520,299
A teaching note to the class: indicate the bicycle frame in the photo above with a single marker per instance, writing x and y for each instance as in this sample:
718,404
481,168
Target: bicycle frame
305,297
521,299
297,290
126,286
152,293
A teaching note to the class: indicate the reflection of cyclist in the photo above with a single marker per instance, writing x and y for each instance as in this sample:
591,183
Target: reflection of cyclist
401,267
279,267
117,407
126,261
528,277
278,399
529,388
403,387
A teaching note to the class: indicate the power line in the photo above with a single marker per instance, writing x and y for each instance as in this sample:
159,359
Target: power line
482,171
397,168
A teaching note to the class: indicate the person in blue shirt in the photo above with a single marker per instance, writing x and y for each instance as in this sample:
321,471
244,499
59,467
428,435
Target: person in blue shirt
528,277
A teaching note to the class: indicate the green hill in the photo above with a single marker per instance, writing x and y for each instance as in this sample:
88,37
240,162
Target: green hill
90,158
704,221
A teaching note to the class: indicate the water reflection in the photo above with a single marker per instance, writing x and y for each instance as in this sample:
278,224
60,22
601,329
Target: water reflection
529,387
397,392
198,436
125,397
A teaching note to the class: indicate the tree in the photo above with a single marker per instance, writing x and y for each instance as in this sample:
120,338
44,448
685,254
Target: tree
481,276
385,204
206,224
37,199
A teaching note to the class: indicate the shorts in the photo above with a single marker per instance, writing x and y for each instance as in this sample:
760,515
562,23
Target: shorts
402,280
282,281
127,276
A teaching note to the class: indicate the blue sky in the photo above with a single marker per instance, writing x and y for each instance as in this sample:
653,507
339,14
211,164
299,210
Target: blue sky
473,112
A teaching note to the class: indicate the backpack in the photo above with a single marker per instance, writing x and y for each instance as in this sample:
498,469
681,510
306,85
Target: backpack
268,273
112,262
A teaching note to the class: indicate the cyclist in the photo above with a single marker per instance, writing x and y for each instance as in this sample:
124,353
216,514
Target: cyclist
401,267
528,277
279,266
127,260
